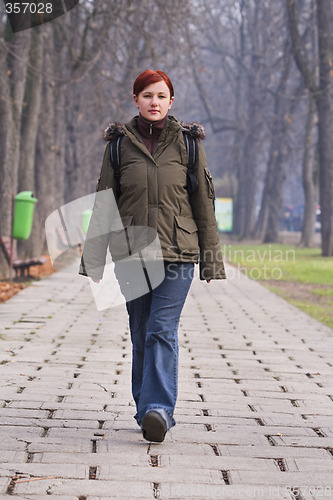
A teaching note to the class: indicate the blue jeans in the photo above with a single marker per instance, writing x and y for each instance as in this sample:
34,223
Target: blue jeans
154,319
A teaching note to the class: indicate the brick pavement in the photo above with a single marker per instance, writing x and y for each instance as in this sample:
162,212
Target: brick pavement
254,413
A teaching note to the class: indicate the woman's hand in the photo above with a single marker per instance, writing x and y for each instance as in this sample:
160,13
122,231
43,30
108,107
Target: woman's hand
96,280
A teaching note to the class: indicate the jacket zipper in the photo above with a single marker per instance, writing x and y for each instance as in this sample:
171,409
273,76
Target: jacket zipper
151,136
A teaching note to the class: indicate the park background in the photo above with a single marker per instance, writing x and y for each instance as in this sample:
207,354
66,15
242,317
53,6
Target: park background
258,74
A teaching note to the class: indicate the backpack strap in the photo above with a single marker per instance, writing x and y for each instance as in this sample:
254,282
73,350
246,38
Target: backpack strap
191,146
115,161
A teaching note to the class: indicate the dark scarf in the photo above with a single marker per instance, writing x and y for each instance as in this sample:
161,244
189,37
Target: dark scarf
150,132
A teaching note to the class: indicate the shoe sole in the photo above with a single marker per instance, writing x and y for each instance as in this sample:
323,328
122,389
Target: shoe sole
153,427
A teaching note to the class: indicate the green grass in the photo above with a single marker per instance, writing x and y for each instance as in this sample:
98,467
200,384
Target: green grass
282,262
322,313
323,292
282,267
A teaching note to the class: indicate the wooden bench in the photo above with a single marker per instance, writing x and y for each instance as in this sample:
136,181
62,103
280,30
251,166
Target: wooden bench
64,241
20,266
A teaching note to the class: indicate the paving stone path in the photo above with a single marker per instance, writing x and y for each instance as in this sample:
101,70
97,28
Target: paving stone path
254,413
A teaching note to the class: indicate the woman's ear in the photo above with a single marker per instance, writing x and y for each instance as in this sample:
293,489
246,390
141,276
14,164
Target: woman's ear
171,101
135,100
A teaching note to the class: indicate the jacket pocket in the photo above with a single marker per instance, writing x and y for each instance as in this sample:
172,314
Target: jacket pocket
210,185
186,235
122,239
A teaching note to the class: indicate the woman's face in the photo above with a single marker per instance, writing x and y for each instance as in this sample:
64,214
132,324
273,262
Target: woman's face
154,101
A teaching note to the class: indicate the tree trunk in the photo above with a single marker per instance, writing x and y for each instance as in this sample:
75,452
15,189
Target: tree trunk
18,57
32,101
310,178
6,119
268,225
13,64
246,175
29,128
46,147
74,148
323,96
325,124
244,215
275,199
262,221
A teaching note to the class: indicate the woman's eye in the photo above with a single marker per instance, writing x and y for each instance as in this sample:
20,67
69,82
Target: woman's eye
149,96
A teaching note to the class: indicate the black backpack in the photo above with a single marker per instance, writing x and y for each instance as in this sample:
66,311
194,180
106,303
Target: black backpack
191,149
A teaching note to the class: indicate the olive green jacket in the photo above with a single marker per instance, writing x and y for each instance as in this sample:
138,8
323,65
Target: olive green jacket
154,194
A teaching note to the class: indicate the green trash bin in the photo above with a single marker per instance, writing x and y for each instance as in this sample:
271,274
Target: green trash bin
23,215
86,216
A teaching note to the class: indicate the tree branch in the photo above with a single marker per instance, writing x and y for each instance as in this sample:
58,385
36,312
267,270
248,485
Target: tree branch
297,48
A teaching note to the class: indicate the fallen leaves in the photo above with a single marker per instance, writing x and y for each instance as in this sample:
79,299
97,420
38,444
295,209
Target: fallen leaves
10,288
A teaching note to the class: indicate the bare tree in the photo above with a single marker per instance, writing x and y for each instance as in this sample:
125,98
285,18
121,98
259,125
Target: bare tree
246,48
14,54
310,176
322,92
29,129
286,99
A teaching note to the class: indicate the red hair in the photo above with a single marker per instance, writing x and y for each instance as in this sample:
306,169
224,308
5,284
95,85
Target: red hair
148,77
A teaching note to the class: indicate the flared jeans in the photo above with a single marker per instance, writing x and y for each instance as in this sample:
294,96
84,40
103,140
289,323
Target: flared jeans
154,319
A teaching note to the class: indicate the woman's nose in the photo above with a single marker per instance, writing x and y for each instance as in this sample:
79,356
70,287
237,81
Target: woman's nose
154,101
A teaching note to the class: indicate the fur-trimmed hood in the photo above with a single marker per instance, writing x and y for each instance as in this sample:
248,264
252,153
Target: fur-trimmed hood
114,130
195,129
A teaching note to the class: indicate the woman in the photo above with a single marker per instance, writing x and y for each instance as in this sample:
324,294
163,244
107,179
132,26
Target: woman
154,193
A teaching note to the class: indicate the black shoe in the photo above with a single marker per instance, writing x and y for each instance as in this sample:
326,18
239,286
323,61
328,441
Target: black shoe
154,426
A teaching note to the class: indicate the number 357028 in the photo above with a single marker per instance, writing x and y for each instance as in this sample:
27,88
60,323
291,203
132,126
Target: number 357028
28,8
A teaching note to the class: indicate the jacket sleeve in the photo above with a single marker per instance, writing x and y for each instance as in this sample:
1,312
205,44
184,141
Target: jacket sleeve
98,235
202,202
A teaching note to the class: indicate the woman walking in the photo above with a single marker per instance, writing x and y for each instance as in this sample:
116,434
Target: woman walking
155,189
